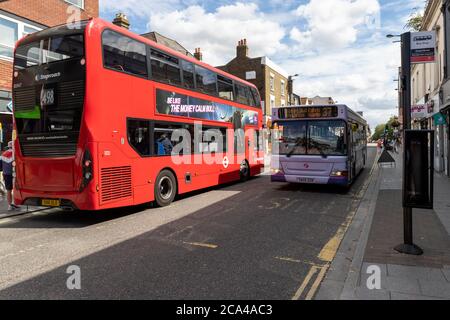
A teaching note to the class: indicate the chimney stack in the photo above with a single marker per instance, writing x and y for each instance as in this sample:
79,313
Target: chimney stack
242,48
121,20
198,54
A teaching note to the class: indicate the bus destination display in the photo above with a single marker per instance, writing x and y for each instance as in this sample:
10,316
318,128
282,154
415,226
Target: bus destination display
308,112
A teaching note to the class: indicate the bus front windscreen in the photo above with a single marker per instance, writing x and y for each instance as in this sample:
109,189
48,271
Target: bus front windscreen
308,137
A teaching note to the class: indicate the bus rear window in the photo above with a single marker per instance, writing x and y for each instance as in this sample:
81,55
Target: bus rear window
49,50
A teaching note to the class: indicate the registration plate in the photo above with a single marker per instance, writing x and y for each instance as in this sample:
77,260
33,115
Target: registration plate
305,180
50,203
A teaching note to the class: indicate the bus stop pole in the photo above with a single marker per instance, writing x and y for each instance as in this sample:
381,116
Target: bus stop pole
408,247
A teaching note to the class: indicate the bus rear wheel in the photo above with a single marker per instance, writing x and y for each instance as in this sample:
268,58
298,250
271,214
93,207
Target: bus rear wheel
165,188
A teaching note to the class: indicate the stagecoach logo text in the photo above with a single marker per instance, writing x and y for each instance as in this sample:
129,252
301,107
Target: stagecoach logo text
41,77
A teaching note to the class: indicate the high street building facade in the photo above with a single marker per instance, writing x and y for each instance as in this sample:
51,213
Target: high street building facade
270,79
430,86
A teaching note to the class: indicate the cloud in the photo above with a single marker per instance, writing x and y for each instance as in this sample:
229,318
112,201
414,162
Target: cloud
360,77
338,46
139,8
218,32
334,23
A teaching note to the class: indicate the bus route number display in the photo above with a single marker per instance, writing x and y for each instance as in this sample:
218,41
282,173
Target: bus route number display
308,112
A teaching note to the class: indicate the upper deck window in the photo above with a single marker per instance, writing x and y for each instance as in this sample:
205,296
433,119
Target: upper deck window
165,68
188,74
124,54
206,80
244,95
256,97
225,86
49,51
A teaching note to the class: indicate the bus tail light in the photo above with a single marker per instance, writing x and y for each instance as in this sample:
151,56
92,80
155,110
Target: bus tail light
87,170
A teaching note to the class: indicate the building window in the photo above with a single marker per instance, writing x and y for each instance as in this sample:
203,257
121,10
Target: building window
11,30
5,101
250,75
272,102
272,82
8,37
28,30
283,88
78,3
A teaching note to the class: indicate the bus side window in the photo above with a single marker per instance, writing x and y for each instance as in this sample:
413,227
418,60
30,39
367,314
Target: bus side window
188,74
225,86
206,80
256,97
166,137
139,136
165,68
124,54
241,94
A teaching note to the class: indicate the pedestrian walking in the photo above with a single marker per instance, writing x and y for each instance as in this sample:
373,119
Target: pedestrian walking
6,165
379,145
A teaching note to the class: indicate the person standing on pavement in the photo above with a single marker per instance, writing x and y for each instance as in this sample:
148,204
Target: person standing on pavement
6,165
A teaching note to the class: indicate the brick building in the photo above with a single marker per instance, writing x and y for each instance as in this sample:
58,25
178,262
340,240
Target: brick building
21,17
270,79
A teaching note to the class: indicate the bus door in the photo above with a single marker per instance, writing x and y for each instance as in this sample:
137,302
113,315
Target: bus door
351,152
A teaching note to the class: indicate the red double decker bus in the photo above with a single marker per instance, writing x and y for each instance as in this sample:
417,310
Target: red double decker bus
106,118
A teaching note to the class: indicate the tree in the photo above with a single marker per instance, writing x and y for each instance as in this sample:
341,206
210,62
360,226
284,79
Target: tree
379,131
387,127
414,22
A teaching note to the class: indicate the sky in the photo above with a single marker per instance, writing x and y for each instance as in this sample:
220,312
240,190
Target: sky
338,47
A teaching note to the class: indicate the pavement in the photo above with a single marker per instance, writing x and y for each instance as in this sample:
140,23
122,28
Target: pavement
366,256
253,240
4,213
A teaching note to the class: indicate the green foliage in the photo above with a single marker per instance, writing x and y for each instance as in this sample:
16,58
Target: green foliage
414,22
379,130
388,126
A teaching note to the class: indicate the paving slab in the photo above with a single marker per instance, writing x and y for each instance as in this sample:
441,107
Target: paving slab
439,289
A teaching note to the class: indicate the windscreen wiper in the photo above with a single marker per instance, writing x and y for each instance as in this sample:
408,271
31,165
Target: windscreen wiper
297,144
318,147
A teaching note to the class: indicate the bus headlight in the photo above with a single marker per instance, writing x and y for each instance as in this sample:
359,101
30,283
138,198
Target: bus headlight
339,174
276,171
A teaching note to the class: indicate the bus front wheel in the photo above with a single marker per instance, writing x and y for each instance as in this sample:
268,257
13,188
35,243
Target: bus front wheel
165,188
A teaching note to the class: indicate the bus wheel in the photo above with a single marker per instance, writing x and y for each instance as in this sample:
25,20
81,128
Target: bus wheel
244,171
165,188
